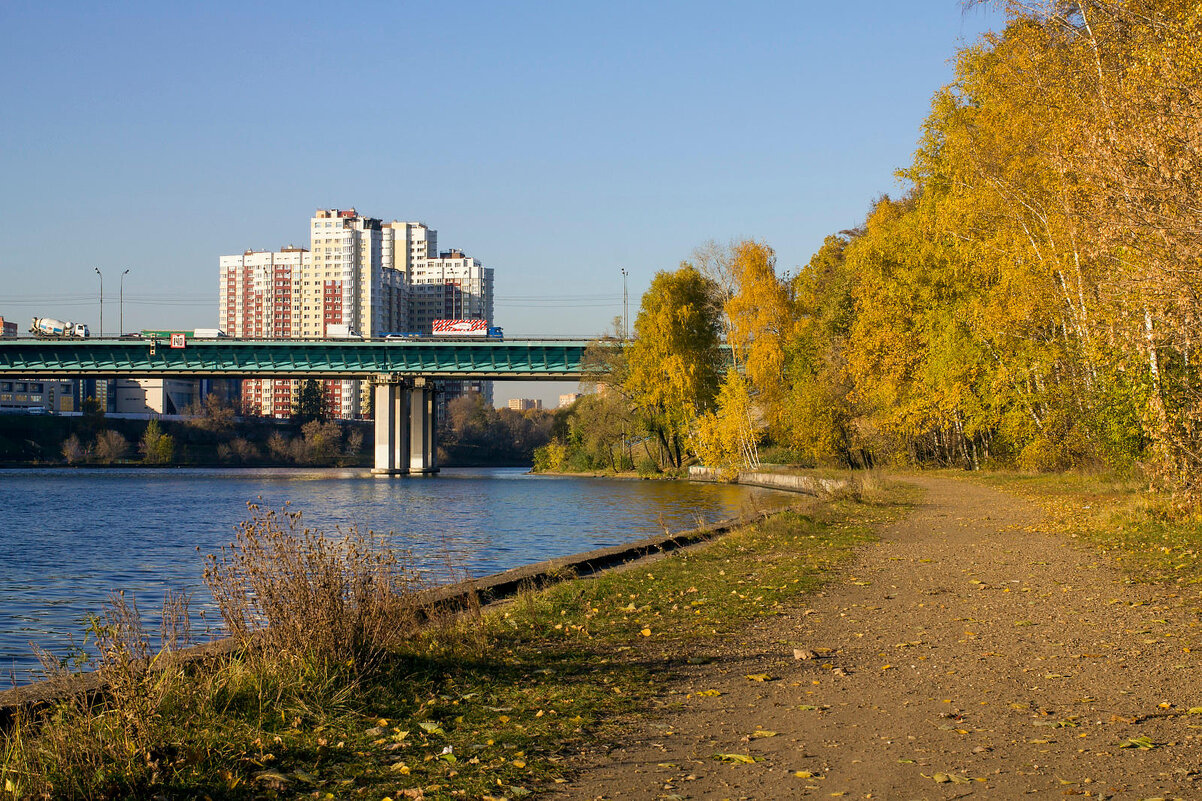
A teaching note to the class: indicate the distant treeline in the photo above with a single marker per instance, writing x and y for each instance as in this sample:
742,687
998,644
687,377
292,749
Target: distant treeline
212,436
470,434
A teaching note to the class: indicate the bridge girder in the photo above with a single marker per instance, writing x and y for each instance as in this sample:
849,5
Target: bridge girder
545,360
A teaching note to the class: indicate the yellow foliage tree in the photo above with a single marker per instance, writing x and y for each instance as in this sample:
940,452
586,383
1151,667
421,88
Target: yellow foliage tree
674,363
726,439
761,318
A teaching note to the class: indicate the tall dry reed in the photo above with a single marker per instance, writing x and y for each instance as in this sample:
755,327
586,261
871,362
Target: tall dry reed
293,589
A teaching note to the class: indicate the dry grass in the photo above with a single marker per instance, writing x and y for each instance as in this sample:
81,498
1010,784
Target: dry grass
95,739
313,613
295,590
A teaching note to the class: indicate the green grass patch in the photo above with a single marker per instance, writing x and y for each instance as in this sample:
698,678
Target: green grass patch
490,704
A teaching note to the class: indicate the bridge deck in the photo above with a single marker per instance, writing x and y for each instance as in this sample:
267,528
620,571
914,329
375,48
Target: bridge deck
548,360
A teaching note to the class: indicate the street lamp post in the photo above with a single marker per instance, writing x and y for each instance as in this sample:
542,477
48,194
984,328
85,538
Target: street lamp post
121,306
101,332
625,307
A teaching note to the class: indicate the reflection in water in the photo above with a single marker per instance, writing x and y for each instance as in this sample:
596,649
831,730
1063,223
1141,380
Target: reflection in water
74,536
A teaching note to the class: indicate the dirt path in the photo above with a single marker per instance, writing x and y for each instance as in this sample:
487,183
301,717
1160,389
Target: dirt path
971,652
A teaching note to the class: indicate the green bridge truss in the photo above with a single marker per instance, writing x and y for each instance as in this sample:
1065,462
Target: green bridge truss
549,360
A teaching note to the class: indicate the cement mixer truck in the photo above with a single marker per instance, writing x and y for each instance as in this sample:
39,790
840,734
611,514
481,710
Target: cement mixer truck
50,328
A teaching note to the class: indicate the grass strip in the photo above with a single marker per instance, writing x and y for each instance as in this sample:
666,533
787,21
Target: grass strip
487,705
1149,534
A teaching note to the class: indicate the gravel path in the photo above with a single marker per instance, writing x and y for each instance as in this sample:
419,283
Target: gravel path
968,653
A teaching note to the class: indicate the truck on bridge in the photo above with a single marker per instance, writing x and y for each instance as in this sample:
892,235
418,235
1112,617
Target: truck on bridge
190,333
50,328
464,328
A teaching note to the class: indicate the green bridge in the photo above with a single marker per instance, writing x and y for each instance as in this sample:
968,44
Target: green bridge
402,372
527,360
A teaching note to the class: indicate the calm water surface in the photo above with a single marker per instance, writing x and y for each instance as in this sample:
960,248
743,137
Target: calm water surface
72,537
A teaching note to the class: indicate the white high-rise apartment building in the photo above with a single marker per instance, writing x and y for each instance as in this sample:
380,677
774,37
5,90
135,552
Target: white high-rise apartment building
449,287
360,276
354,286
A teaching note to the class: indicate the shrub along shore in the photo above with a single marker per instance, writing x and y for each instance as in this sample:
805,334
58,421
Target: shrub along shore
358,690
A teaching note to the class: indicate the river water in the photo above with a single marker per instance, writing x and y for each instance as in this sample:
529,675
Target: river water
73,537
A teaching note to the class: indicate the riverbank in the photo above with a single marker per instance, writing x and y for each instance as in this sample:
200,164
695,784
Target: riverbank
490,704
984,640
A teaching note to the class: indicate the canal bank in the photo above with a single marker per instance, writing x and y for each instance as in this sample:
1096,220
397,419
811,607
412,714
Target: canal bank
555,664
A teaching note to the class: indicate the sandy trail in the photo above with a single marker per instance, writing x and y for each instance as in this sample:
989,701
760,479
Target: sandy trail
971,653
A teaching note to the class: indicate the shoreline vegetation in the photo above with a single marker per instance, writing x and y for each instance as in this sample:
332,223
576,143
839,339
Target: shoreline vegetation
470,435
1026,302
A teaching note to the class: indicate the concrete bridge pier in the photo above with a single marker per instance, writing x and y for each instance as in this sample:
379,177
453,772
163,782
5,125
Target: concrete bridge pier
405,427
423,445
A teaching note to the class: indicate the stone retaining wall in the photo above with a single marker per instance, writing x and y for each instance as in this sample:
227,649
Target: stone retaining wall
791,482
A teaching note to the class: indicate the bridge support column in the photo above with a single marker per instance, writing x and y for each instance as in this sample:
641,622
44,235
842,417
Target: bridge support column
391,401
423,449
405,431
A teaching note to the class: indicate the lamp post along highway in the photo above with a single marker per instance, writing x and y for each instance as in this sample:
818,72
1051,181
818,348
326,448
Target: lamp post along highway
625,307
121,305
101,332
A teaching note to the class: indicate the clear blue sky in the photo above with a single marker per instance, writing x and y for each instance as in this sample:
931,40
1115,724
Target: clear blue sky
558,142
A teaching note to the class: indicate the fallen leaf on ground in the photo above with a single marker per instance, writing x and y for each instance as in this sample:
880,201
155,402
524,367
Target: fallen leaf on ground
739,759
1142,742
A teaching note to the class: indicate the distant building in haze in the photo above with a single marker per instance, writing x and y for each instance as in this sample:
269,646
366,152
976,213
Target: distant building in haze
525,404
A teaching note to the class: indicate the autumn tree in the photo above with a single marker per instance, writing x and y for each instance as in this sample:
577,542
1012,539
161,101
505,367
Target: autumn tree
817,410
761,319
211,414
726,438
675,361
73,450
109,447
602,424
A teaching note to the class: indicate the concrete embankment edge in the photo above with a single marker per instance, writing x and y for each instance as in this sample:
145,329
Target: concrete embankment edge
790,482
